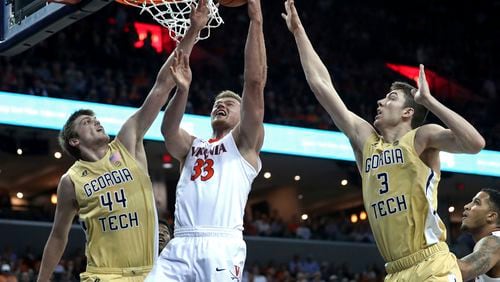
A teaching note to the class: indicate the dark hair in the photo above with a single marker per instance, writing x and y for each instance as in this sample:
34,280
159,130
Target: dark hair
419,111
69,132
494,200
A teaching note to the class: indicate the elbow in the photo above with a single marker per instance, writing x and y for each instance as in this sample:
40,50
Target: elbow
165,131
255,85
317,84
481,143
257,79
476,145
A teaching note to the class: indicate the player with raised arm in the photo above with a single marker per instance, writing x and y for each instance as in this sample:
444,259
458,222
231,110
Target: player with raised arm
109,188
398,159
216,174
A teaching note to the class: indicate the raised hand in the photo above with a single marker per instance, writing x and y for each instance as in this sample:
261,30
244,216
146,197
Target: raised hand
199,15
423,93
181,72
291,16
254,10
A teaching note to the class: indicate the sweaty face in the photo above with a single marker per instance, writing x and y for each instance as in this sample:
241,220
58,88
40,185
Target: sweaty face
89,129
225,112
390,109
476,212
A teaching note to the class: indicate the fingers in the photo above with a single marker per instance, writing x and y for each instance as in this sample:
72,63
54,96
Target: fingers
293,10
422,80
287,7
202,4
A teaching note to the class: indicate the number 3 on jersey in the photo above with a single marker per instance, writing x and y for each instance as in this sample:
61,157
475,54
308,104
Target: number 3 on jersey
203,168
384,181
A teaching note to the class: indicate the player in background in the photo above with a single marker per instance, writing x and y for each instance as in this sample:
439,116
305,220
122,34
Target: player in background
481,218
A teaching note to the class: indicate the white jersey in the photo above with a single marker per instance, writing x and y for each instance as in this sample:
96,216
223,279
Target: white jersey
214,184
484,277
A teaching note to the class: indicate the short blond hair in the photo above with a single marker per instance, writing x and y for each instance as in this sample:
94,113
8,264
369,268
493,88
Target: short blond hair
228,94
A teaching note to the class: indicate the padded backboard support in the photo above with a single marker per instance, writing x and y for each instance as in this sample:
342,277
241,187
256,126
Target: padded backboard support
24,23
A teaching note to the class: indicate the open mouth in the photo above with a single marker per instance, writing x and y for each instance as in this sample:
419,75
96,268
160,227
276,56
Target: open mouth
221,113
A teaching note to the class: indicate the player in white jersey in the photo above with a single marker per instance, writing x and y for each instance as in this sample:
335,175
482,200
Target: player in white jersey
216,174
481,218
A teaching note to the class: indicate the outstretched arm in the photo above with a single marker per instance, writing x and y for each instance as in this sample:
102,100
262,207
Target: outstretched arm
249,134
177,140
65,212
319,80
134,129
485,256
461,137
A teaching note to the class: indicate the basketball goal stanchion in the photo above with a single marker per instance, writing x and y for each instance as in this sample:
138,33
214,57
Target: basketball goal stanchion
174,15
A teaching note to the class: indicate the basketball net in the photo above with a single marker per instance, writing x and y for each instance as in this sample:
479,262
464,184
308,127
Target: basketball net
174,15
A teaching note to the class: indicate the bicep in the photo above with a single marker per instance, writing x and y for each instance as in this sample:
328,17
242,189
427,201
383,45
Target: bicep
178,144
128,134
250,130
433,136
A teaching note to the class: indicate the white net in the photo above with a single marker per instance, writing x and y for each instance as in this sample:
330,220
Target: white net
174,15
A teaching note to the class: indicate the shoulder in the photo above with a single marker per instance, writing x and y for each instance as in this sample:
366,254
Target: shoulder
490,243
66,185
66,178
66,194
370,139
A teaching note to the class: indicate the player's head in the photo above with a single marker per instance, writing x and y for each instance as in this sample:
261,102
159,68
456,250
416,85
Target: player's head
165,234
399,105
81,128
226,110
484,210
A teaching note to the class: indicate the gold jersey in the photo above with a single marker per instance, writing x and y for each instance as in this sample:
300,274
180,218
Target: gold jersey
117,210
400,197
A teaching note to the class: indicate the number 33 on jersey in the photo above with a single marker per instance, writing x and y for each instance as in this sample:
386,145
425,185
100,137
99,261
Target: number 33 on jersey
204,165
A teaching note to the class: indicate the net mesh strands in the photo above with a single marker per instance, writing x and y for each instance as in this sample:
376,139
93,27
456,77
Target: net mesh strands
174,15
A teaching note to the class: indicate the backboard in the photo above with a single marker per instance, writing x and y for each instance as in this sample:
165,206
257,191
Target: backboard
24,23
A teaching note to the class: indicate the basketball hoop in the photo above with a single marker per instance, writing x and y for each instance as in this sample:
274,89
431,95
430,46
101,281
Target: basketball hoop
174,15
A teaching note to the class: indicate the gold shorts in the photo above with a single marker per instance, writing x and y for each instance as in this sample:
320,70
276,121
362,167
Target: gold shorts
435,263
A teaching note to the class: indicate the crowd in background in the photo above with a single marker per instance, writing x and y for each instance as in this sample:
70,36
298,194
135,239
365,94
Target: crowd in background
24,267
95,59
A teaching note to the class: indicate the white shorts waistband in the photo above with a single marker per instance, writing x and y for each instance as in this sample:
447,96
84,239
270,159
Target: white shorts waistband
207,232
